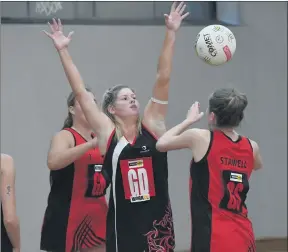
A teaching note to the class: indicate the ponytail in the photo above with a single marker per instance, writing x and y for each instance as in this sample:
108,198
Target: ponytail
68,121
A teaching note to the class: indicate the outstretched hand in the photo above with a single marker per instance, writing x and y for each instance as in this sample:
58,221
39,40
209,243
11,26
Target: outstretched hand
59,39
174,19
194,113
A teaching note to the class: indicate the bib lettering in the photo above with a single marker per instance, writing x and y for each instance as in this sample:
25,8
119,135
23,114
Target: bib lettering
236,187
138,179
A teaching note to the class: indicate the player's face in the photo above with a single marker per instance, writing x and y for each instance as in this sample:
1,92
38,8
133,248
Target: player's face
126,104
78,113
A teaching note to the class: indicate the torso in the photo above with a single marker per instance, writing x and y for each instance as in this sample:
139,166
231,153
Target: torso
219,187
140,216
76,199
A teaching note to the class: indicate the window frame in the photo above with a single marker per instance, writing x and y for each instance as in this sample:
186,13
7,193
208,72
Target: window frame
155,21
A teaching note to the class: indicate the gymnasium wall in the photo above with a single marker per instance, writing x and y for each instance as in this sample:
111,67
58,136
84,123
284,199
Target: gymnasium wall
34,91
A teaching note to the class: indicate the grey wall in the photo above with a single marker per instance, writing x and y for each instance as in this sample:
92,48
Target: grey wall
34,89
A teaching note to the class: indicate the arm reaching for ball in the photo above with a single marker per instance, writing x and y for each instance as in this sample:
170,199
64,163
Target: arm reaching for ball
156,109
99,122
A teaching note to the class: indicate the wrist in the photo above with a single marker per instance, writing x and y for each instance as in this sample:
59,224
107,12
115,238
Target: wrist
187,122
62,50
170,33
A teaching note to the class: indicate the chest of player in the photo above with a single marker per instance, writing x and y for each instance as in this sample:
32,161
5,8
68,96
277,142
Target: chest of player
141,170
89,175
92,156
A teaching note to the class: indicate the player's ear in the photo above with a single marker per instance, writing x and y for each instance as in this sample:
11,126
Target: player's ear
71,110
111,109
211,118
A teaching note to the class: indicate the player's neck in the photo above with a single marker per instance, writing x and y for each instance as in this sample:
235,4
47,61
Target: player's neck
129,130
230,132
82,130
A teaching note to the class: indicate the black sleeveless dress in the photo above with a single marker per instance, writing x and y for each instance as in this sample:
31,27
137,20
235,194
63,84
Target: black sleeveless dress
6,245
139,216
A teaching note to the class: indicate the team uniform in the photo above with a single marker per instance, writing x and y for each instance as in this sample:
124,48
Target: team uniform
6,245
139,215
219,187
76,214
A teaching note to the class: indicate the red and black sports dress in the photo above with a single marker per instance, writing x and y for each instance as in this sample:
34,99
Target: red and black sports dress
219,187
139,216
77,209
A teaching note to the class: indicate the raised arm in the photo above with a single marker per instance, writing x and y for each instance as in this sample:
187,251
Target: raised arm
62,151
100,123
8,199
156,109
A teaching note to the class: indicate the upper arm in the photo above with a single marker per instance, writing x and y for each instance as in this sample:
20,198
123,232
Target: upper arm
258,163
155,113
8,196
61,141
154,118
99,122
183,141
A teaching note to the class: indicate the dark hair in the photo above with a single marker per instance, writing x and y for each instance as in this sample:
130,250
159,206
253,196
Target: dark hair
109,99
228,105
71,102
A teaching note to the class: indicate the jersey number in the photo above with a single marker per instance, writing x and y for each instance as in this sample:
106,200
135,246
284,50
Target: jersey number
97,184
138,180
236,187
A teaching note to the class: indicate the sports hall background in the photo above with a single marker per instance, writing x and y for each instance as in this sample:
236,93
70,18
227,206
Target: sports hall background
34,91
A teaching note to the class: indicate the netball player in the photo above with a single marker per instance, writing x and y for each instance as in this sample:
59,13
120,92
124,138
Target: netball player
140,216
75,218
10,229
220,170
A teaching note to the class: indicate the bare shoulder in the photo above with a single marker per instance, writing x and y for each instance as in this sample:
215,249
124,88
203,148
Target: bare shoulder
199,133
198,136
6,158
258,162
254,145
7,163
64,136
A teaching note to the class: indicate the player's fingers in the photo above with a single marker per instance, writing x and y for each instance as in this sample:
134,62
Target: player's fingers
70,34
182,9
60,25
55,25
179,7
48,34
173,7
185,15
51,27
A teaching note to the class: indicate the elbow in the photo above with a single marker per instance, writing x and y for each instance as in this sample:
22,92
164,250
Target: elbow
258,167
57,163
161,146
52,164
81,95
11,221
84,99
163,77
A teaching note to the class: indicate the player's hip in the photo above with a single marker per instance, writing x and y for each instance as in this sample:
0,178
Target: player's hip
222,237
139,242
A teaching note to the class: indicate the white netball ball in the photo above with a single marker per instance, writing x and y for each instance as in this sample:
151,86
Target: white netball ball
215,44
